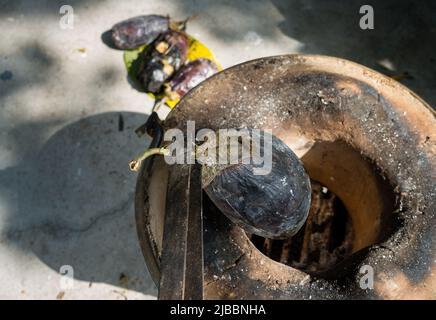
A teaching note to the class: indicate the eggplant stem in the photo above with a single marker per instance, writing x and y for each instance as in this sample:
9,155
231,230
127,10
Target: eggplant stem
181,25
135,164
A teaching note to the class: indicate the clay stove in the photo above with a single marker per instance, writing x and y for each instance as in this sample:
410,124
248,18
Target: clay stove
368,144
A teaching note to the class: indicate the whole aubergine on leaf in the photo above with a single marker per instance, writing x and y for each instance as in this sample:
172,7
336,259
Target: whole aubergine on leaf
142,30
162,59
189,76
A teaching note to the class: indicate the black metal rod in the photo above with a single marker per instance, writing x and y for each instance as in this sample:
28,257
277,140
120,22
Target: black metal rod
182,252
194,250
173,261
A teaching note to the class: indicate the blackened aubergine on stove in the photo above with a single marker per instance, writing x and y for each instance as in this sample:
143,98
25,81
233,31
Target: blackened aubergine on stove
142,30
162,59
189,76
274,205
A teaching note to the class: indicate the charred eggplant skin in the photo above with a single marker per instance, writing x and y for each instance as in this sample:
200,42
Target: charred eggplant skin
141,30
275,205
189,76
162,59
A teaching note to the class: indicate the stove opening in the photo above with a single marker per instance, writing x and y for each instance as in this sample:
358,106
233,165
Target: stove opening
325,239
352,208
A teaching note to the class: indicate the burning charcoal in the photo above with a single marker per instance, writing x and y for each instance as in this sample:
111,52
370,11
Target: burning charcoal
137,31
189,76
274,205
161,59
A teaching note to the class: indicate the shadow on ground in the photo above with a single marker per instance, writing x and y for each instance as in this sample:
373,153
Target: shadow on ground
38,7
72,202
402,44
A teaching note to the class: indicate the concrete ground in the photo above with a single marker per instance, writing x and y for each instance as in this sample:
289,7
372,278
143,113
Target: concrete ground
66,194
